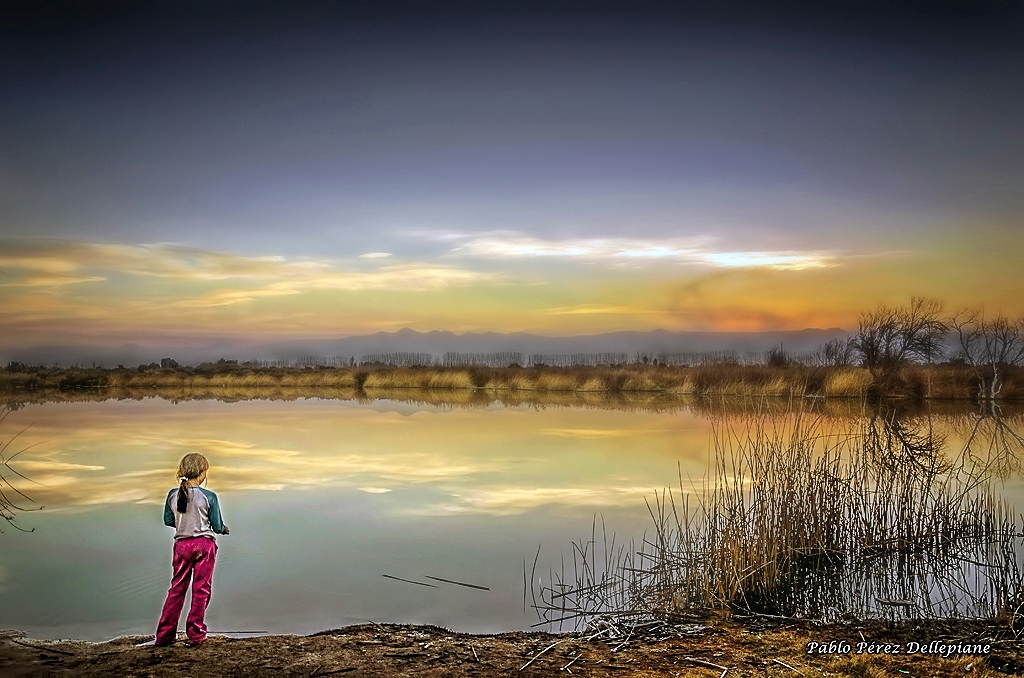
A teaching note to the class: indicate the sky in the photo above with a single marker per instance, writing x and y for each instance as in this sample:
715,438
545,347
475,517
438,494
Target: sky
256,171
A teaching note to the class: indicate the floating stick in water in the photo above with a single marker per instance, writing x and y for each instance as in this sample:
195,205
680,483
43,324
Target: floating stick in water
458,583
409,581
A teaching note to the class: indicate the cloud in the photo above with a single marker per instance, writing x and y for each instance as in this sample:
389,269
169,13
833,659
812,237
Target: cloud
693,250
412,276
151,473
176,270
591,309
62,260
229,297
406,277
248,467
249,464
230,448
515,246
589,433
786,261
513,500
51,466
51,280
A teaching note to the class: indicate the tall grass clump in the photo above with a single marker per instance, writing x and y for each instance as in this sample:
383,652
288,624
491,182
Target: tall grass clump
450,379
412,378
751,380
794,522
850,382
556,381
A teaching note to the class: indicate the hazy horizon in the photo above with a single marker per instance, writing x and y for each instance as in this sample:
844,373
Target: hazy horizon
436,343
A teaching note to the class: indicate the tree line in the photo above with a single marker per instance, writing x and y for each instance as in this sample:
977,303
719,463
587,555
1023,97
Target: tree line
889,338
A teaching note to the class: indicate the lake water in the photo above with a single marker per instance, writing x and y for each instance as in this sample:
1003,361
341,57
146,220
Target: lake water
323,497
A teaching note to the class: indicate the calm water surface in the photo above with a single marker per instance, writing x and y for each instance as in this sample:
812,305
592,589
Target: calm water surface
322,498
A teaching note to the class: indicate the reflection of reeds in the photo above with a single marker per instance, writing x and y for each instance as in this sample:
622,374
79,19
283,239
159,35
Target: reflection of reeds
237,380
792,522
717,408
713,379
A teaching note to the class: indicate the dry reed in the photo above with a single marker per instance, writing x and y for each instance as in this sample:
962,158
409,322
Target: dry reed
460,380
853,382
555,381
796,523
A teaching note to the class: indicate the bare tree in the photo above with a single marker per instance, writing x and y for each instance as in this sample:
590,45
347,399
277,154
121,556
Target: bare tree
889,338
835,353
989,346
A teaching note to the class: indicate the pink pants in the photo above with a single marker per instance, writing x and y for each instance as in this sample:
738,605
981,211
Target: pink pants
193,560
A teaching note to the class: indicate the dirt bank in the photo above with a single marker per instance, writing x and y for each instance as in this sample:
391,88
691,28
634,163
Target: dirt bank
709,648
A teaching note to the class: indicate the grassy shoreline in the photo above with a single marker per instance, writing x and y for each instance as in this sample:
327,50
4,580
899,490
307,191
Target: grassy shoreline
940,382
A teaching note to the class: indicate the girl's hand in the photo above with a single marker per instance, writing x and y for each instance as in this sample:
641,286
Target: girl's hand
226,530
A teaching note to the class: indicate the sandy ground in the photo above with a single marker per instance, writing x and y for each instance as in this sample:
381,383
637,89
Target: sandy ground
707,648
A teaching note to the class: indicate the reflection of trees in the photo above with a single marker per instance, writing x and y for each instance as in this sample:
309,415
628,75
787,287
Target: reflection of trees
992,443
12,499
941,541
895,439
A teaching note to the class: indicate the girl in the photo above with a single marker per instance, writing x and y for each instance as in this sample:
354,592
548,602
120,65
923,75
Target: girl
194,513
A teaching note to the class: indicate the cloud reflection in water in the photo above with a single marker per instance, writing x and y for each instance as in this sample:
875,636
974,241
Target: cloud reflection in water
497,462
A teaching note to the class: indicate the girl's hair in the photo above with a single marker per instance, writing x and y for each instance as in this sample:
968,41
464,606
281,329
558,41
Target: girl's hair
191,466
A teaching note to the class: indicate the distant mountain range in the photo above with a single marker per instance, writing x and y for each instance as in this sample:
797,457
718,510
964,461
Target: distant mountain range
436,343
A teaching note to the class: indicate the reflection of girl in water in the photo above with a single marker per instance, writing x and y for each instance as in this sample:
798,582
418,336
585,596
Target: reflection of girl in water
194,513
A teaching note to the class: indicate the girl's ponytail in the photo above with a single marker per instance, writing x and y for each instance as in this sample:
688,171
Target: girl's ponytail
183,495
191,466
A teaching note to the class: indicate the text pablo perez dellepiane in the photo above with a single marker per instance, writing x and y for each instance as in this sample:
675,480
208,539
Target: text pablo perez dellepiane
936,647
